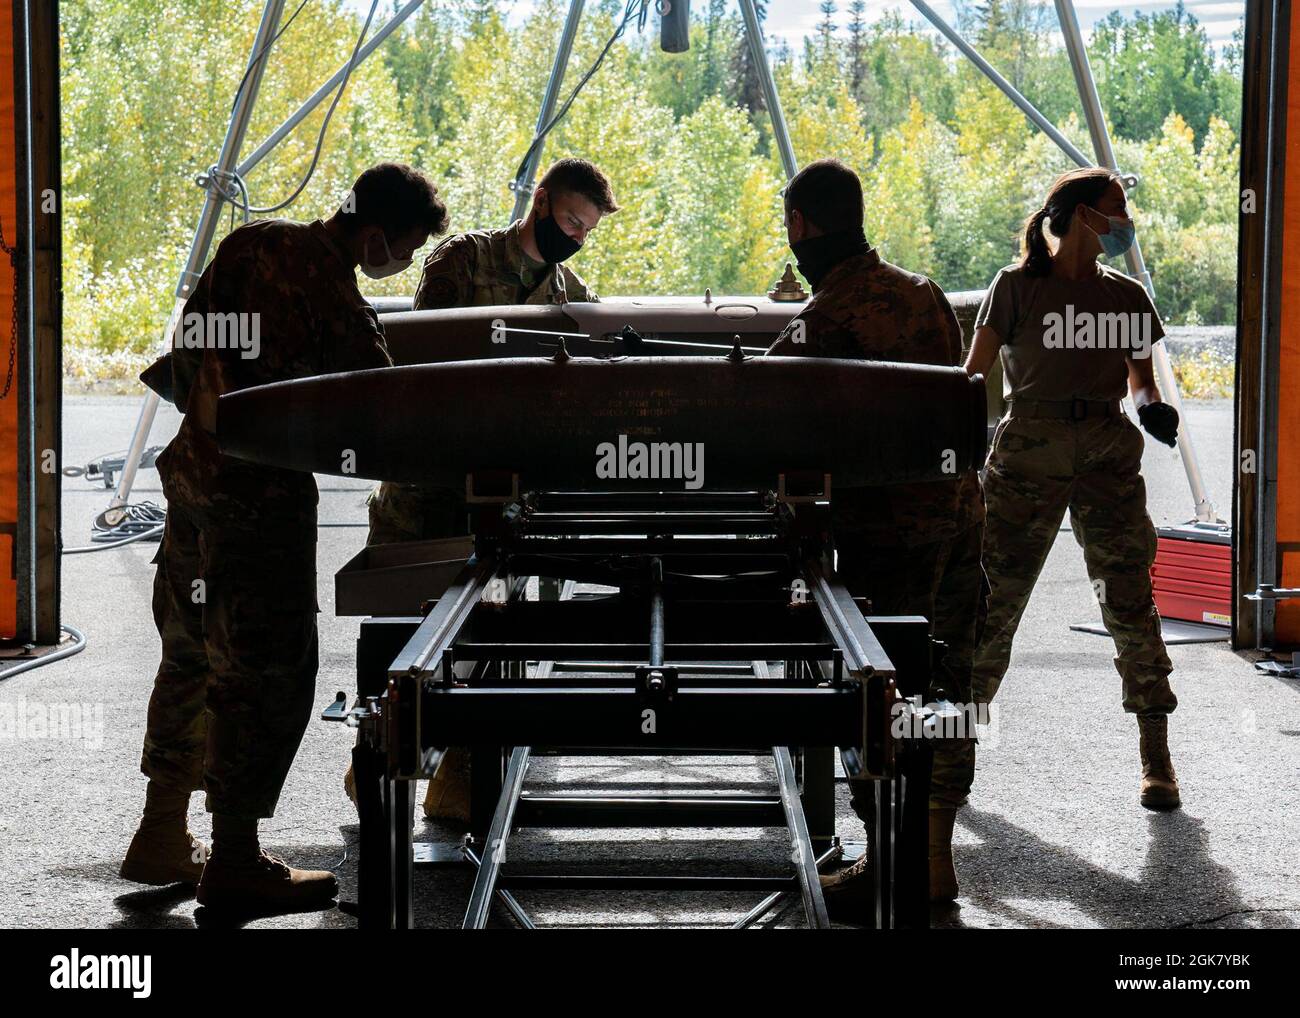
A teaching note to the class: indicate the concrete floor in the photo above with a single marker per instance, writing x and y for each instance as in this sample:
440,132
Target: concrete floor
1054,836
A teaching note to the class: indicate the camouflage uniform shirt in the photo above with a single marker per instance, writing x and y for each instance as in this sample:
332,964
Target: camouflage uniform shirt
313,320
485,267
866,308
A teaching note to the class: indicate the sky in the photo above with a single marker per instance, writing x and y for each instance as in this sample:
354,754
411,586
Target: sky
794,19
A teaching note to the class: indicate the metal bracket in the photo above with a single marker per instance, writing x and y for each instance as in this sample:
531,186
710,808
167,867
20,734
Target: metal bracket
371,724
1271,667
1268,592
338,710
656,684
782,495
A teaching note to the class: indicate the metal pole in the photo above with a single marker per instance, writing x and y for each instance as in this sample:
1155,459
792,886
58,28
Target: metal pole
754,33
24,369
240,115
327,89
522,185
1008,89
1136,266
505,897
1266,436
656,613
494,851
810,888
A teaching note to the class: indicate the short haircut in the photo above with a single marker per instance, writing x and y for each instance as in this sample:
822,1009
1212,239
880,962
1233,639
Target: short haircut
580,177
828,194
397,198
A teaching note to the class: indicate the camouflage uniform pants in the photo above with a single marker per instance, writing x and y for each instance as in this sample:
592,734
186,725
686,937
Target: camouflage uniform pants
1036,469
943,582
416,512
236,685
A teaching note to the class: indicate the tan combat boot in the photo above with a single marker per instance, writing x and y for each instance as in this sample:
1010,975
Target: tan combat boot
163,850
161,856
943,876
850,893
447,797
1159,783
264,884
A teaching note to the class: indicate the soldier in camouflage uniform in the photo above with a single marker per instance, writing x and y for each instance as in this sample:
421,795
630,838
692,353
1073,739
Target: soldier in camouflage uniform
1066,442
235,593
912,549
521,264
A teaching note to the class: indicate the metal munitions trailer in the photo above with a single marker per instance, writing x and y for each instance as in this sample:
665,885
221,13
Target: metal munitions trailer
728,634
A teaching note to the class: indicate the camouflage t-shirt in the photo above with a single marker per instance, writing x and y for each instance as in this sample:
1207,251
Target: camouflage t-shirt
289,295
868,309
486,267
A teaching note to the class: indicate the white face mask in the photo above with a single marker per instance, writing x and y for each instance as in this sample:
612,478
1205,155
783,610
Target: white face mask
390,266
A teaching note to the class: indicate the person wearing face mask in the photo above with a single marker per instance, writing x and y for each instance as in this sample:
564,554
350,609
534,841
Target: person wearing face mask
235,593
520,264
911,549
524,263
1075,337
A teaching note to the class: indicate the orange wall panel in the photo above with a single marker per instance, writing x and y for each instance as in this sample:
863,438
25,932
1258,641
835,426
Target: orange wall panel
1288,445
9,405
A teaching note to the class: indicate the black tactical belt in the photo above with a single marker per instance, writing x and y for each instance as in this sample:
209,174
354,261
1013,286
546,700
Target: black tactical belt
1065,409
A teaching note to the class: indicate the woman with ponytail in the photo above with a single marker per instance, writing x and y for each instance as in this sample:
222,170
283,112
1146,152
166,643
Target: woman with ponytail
1075,337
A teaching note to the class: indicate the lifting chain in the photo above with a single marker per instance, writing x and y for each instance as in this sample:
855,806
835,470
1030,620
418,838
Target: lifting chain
12,252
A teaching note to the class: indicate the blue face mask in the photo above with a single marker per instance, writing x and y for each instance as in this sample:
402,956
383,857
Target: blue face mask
1120,238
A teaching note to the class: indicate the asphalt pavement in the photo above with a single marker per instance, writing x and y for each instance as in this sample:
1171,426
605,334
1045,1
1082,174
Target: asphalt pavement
1053,836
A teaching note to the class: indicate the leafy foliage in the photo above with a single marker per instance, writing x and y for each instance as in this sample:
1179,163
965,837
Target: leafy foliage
950,168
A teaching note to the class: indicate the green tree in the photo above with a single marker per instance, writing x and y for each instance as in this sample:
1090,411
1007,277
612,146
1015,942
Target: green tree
900,201
1152,66
903,64
1228,75
1186,209
145,112
421,59
857,45
1016,36
950,169
826,27
709,236
682,81
978,221
745,88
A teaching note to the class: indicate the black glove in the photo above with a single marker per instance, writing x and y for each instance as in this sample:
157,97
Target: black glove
1160,421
